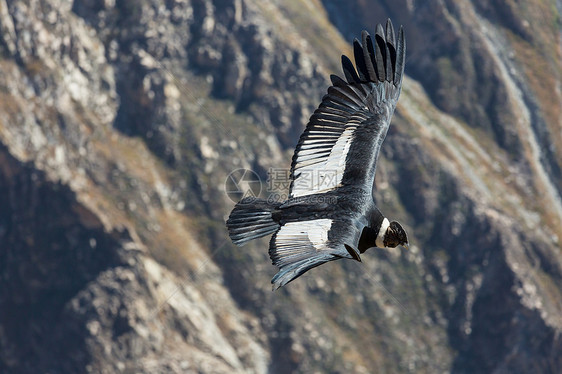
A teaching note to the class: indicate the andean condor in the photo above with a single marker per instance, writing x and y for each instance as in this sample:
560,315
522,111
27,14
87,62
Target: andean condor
330,212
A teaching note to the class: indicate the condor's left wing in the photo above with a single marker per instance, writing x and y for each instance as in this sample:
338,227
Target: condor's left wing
300,246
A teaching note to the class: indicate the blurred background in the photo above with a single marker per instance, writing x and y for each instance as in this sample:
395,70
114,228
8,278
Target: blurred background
121,120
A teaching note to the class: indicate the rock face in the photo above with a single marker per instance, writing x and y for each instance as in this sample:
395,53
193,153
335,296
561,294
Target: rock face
120,120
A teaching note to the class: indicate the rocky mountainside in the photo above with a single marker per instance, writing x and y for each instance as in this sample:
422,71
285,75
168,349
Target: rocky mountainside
120,121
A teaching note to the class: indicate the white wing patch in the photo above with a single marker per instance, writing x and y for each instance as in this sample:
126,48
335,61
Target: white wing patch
320,163
313,232
299,240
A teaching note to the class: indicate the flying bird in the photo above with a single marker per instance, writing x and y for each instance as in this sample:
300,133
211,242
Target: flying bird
330,212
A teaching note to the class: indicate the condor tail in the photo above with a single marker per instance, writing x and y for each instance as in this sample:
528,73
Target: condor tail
250,219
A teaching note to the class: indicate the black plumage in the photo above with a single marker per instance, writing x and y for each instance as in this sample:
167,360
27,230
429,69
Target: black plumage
330,213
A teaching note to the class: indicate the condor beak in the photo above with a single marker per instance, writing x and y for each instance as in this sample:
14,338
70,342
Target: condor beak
405,246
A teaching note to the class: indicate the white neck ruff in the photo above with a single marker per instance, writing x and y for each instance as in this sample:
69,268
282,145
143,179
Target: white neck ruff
380,237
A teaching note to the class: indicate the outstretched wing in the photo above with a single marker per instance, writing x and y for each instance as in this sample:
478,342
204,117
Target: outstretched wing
300,246
341,142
